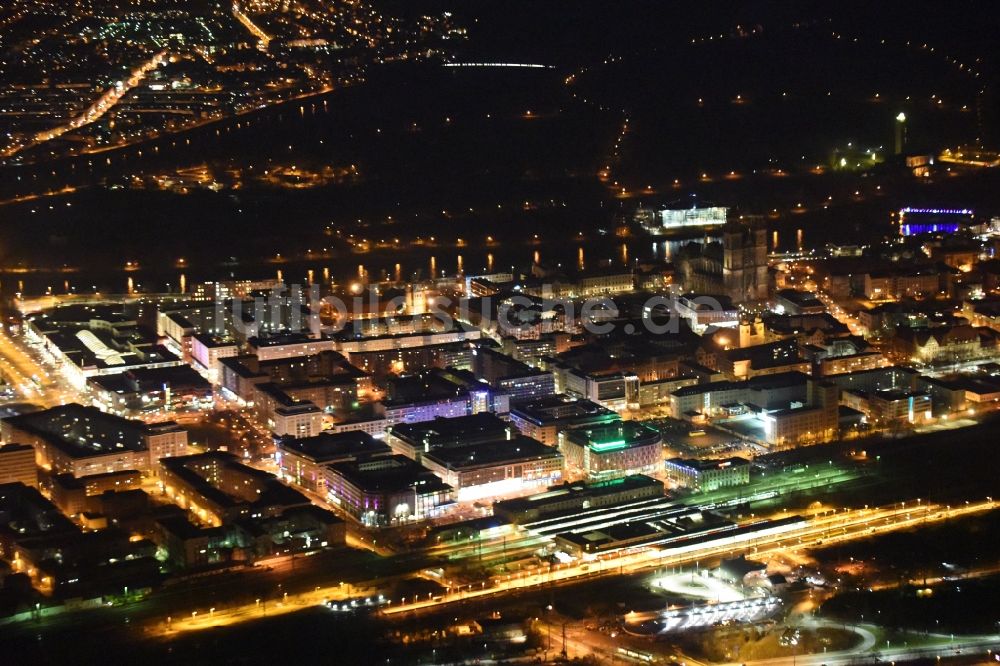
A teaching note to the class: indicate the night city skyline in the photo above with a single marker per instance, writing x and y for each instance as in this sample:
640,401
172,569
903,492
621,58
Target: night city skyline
497,332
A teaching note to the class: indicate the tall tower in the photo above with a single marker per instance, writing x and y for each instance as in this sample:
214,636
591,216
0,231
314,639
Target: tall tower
744,262
900,132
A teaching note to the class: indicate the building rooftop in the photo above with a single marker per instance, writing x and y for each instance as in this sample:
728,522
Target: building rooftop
561,409
559,494
388,474
327,447
203,473
140,380
614,436
80,431
210,340
803,299
706,465
457,431
488,454
778,380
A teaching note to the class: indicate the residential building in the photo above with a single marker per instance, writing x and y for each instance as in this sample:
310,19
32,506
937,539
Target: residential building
17,464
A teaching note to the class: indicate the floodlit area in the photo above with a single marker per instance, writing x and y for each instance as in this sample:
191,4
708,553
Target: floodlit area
699,585
708,615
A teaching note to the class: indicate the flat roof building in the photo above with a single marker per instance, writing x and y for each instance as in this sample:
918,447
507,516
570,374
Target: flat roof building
496,468
218,489
385,491
570,498
545,418
798,302
707,475
70,493
415,439
302,460
612,450
767,392
78,440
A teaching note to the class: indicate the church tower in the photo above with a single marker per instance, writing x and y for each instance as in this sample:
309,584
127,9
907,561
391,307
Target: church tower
744,262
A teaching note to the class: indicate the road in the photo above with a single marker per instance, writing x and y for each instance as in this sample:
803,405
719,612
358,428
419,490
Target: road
252,27
965,645
96,110
36,380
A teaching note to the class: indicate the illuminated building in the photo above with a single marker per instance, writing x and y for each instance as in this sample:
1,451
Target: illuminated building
239,319
545,418
230,289
894,285
438,393
813,423
737,267
218,489
889,406
487,285
78,440
612,450
413,440
91,340
296,419
703,310
376,427
797,302
559,283
207,349
918,221
385,491
349,342
614,390
717,398
242,374
805,327
842,355
982,313
382,362
287,345
148,389
943,344
659,523
760,360
518,380
572,498
17,464
59,557
707,475
679,218
633,357
531,352
495,468
302,460
294,530
70,493
891,377
657,392
414,411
